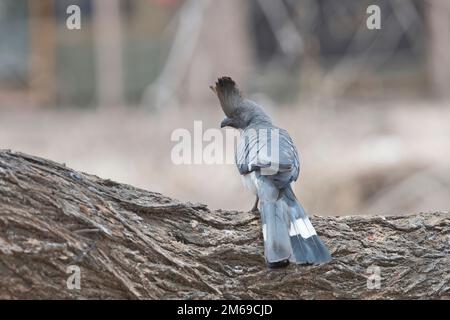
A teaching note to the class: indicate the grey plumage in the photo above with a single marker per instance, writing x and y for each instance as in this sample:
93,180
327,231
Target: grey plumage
268,162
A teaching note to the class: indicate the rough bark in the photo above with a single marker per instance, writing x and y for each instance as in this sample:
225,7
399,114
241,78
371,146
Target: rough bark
132,243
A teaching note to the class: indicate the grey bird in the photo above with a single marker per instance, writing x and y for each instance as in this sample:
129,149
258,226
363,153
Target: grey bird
268,162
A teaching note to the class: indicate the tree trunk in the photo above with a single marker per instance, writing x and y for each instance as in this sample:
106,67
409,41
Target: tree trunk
132,243
438,19
108,53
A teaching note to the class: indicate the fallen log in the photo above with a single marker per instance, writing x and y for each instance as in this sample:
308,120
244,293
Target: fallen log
71,235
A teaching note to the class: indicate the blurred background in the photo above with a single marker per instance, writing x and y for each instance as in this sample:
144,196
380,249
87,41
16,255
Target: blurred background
369,110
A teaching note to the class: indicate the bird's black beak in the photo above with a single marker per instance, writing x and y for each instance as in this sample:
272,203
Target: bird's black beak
225,122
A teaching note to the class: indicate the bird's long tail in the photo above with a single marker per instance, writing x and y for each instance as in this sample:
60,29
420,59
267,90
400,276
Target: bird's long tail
275,224
306,245
288,233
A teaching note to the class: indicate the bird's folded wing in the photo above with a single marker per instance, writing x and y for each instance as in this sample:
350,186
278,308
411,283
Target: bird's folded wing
270,149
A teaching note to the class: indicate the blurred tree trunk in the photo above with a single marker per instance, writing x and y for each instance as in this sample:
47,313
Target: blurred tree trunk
166,90
223,49
130,243
438,14
108,50
43,52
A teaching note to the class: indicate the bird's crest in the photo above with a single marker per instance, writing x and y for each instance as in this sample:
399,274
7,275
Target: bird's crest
228,94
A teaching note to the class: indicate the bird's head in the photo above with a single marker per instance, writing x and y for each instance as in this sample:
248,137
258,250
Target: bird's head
239,112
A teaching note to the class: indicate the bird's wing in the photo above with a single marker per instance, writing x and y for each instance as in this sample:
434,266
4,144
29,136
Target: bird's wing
270,151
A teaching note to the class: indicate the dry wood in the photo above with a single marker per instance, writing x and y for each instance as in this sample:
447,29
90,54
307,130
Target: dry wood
132,243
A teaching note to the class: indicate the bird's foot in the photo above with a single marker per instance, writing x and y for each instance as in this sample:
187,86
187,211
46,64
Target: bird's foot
278,264
255,207
254,210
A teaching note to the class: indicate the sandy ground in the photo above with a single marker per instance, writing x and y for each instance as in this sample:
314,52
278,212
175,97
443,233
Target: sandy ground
357,158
